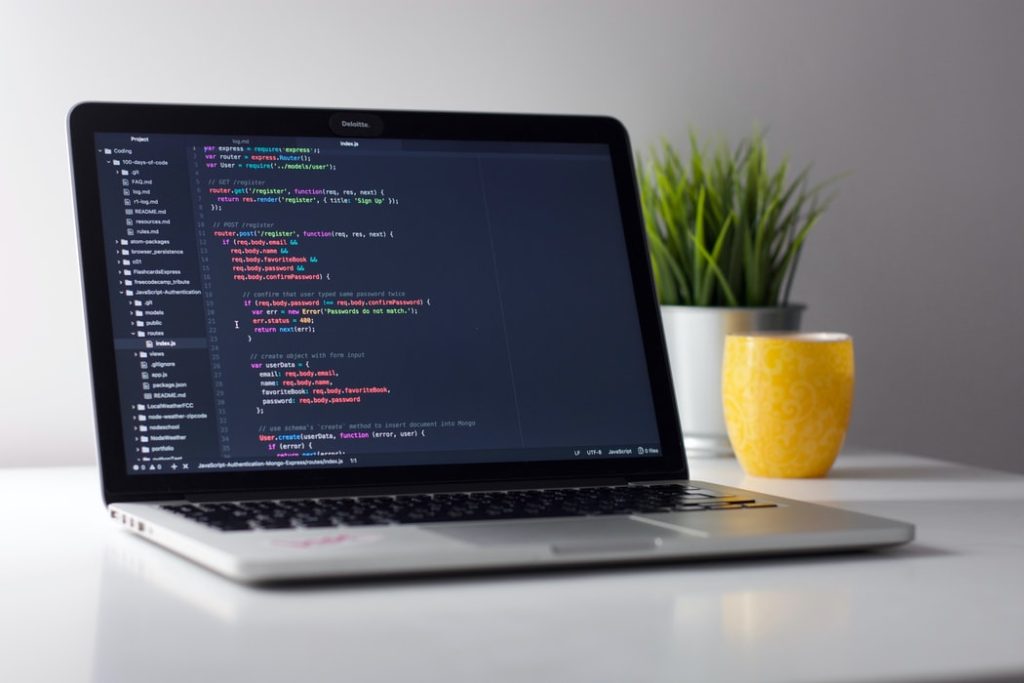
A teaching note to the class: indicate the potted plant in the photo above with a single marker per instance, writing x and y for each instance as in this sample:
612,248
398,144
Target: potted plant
725,232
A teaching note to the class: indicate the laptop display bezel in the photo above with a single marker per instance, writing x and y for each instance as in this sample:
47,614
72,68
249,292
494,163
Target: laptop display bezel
87,119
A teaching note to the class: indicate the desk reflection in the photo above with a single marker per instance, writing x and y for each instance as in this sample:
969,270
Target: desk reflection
162,615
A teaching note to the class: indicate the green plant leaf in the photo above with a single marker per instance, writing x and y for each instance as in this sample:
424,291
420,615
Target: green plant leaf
724,227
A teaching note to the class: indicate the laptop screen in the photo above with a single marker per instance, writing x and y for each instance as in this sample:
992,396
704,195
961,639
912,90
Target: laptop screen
287,303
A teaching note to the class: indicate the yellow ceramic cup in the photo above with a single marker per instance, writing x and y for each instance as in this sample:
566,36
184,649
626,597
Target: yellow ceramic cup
787,399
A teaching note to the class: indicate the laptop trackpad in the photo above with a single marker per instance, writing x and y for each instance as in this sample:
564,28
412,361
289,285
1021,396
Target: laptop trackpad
563,535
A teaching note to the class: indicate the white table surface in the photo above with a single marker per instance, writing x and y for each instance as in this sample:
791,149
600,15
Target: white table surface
81,600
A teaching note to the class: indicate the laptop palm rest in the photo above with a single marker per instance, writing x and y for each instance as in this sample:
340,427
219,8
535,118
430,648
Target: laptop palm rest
564,536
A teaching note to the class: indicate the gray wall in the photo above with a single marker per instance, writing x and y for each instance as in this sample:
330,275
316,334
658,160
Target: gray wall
920,258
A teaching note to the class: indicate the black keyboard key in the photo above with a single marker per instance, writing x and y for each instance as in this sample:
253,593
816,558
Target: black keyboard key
315,521
239,526
274,523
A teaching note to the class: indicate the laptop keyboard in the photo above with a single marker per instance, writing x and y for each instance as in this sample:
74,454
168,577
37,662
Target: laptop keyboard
460,507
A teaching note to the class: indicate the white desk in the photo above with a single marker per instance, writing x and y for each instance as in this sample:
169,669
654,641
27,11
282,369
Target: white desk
83,601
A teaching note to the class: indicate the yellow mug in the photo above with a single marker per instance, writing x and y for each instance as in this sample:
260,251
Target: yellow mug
787,398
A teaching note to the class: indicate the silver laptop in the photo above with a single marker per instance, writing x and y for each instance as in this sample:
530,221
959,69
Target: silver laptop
369,343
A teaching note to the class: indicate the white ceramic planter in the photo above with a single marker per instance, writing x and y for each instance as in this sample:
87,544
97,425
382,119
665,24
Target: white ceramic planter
695,336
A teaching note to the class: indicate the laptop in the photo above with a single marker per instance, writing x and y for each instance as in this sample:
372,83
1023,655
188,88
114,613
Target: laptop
349,343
